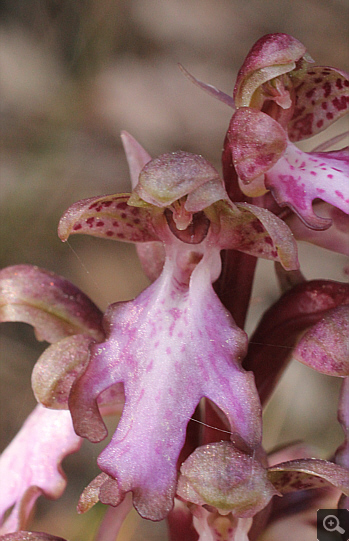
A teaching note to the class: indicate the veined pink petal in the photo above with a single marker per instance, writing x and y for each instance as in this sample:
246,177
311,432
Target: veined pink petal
325,347
171,346
55,307
46,437
109,217
322,97
299,177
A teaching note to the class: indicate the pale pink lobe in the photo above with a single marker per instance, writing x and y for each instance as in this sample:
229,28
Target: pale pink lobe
51,304
46,437
108,217
271,56
171,346
325,347
308,473
298,178
321,98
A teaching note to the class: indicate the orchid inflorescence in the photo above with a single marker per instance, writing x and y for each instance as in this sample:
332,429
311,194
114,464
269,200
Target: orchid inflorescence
179,350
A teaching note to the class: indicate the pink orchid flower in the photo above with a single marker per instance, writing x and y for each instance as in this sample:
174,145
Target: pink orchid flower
281,98
175,343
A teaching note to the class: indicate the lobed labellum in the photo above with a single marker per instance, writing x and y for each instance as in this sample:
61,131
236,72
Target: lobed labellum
170,347
298,178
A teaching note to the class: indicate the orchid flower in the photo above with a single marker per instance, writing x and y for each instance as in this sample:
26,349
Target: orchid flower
225,487
175,343
281,98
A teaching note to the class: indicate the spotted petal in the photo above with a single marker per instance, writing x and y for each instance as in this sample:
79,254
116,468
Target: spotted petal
322,97
258,232
46,437
109,217
308,473
54,306
171,346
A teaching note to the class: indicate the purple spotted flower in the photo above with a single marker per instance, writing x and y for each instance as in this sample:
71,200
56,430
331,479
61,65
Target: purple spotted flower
281,98
175,343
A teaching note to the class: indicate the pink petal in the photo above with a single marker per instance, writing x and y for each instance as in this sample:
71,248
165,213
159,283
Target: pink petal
108,217
171,346
270,56
325,347
136,156
322,97
257,142
256,231
299,177
54,306
308,473
46,437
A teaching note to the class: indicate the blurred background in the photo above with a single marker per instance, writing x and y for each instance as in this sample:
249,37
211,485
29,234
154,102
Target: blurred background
74,73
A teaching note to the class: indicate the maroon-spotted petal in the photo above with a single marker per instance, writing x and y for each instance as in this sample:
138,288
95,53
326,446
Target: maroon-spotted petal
342,454
322,97
31,465
308,473
109,217
325,347
257,232
51,304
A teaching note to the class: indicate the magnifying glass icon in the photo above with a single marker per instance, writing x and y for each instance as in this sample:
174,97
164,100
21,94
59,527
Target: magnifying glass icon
331,524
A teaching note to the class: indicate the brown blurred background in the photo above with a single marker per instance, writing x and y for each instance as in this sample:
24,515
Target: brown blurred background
73,75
